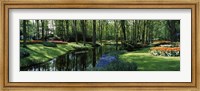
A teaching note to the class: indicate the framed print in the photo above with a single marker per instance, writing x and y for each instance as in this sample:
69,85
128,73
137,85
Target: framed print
100,45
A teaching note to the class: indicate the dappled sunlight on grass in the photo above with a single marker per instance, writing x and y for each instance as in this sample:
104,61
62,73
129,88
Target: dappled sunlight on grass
135,54
40,53
148,62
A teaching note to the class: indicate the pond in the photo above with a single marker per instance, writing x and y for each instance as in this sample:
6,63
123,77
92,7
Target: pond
74,61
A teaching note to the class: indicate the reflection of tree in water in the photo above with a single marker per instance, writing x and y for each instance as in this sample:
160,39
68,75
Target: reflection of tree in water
73,61
94,57
68,63
60,65
82,60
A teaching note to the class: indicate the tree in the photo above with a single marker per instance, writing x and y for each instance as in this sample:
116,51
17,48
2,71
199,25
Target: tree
85,21
63,30
83,31
24,33
123,29
101,30
143,32
172,29
67,29
116,33
42,21
94,32
38,29
134,40
46,30
75,31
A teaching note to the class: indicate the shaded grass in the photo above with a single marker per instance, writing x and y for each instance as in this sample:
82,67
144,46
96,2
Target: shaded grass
147,62
40,53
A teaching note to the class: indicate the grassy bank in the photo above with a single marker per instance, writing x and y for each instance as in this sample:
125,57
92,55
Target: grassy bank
147,62
40,53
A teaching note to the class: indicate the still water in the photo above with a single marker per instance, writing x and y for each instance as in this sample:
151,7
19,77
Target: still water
82,60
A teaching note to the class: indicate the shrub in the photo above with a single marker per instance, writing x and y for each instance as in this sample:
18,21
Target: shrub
49,44
24,53
165,51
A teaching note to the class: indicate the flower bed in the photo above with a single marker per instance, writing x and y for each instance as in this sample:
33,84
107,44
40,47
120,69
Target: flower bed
165,51
111,63
105,60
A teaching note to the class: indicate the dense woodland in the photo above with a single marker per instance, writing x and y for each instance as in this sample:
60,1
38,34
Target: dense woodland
130,31
108,45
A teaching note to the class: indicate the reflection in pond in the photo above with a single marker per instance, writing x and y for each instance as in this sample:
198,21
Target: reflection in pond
73,61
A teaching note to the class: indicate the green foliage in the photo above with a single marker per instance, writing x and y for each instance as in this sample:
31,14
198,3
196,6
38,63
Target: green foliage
49,44
139,33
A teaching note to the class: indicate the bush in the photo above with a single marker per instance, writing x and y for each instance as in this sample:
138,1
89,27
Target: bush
165,51
49,44
24,53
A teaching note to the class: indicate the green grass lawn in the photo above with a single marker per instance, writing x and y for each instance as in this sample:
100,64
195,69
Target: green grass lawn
148,62
40,53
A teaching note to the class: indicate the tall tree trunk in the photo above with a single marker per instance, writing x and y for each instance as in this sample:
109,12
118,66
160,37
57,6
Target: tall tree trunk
67,29
136,33
143,33
75,30
106,29
27,30
147,32
94,32
83,31
38,29
63,30
47,30
99,28
42,21
116,34
123,29
85,26
24,33
151,32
